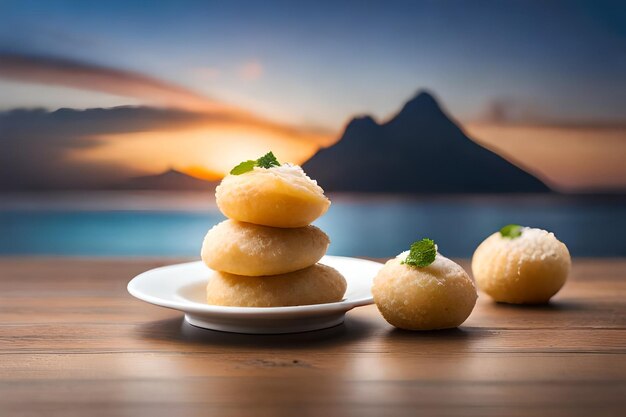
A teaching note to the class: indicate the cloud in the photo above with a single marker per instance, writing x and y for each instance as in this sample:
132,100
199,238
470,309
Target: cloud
62,71
87,76
34,144
509,110
523,112
82,75
96,148
92,148
251,70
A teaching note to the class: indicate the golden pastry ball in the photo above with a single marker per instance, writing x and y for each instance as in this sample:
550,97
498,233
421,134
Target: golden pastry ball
528,269
438,296
316,284
249,249
282,196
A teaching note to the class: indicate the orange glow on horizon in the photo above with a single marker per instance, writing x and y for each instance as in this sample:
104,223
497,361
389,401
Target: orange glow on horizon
568,158
203,173
207,152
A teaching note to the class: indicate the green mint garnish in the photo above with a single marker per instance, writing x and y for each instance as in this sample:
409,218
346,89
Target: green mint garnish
422,253
245,166
511,231
266,161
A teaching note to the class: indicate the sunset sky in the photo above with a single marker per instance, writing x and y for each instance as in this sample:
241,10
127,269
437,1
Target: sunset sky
542,82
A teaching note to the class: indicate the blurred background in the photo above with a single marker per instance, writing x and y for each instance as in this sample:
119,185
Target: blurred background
440,119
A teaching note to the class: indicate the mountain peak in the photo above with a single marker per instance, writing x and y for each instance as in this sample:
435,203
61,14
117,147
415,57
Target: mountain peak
362,121
170,179
422,108
424,96
422,101
420,138
172,172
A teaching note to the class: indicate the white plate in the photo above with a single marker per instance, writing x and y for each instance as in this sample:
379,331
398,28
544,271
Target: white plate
183,287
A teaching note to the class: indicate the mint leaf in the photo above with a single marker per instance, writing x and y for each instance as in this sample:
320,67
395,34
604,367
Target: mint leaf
422,253
511,231
243,167
267,161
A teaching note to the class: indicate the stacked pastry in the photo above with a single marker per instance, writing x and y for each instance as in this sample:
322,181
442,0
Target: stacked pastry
266,253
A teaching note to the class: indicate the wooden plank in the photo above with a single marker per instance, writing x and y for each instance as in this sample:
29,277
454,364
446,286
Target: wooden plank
73,342
369,334
336,396
469,368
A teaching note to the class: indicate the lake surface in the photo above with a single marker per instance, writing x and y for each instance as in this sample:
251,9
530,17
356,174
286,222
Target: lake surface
136,224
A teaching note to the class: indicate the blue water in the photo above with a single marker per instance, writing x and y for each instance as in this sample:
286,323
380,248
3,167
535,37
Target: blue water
361,227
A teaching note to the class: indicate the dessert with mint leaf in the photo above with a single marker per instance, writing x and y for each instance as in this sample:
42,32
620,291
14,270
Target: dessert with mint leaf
264,191
266,254
422,290
317,284
422,253
521,265
254,250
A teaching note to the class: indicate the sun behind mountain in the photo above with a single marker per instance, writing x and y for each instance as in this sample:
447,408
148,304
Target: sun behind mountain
202,173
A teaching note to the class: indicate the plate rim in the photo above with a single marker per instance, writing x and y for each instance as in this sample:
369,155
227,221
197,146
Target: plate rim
343,305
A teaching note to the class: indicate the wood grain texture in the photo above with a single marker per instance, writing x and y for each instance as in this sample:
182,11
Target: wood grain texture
74,343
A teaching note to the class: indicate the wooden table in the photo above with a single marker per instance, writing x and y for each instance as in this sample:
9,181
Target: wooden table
74,343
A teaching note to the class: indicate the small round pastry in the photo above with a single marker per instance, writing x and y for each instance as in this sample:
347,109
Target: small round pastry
279,196
317,284
249,249
439,295
521,265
